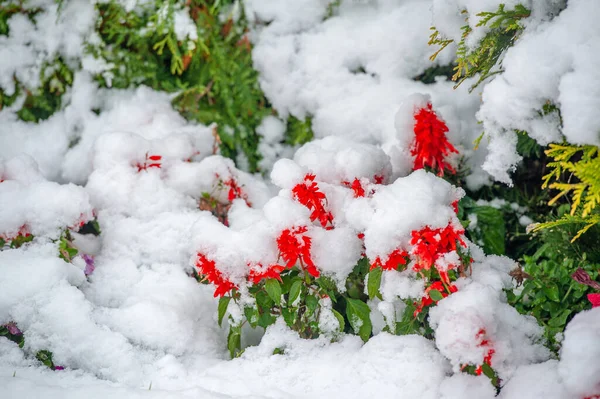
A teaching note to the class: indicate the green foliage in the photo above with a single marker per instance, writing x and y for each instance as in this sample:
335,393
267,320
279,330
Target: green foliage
45,357
42,101
503,29
45,100
212,76
16,338
358,314
299,131
66,249
548,291
430,74
489,230
299,299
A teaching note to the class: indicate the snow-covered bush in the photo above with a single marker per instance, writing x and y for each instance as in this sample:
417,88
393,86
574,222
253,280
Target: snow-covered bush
368,259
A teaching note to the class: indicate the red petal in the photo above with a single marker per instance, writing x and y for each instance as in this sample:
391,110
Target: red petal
594,299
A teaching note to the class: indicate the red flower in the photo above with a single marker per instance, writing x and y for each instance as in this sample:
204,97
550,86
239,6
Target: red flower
235,191
431,244
426,300
378,179
208,269
294,246
356,186
487,359
455,206
152,161
307,193
431,146
594,299
396,258
258,273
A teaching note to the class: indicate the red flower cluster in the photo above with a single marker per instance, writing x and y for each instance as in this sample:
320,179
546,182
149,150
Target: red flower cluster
259,272
208,269
235,191
294,245
151,161
396,258
426,300
356,186
23,233
431,146
307,193
431,244
487,359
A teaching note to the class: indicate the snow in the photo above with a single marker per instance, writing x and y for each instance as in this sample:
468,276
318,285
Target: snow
139,325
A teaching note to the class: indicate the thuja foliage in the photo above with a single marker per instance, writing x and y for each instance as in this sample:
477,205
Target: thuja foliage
198,50
56,76
559,187
581,167
503,29
210,70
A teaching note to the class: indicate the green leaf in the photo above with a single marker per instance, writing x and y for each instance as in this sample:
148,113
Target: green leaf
265,320
340,319
493,230
294,292
436,295
560,320
263,301
274,290
363,266
234,341
358,314
552,291
222,308
251,314
45,357
374,282
490,373
278,351
311,303
289,316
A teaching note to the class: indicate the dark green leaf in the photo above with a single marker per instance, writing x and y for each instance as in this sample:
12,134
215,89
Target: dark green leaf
436,295
340,319
222,308
289,316
234,341
265,320
374,282
493,230
294,292
274,290
552,292
263,301
358,314
251,314
560,320
311,304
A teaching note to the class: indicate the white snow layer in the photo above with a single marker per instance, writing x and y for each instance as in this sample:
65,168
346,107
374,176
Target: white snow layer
140,326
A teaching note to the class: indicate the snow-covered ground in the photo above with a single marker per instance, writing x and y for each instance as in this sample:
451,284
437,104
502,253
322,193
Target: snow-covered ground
140,326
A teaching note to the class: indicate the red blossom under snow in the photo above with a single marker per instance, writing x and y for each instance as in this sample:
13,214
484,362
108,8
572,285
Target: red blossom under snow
208,269
308,194
294,246
431,147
